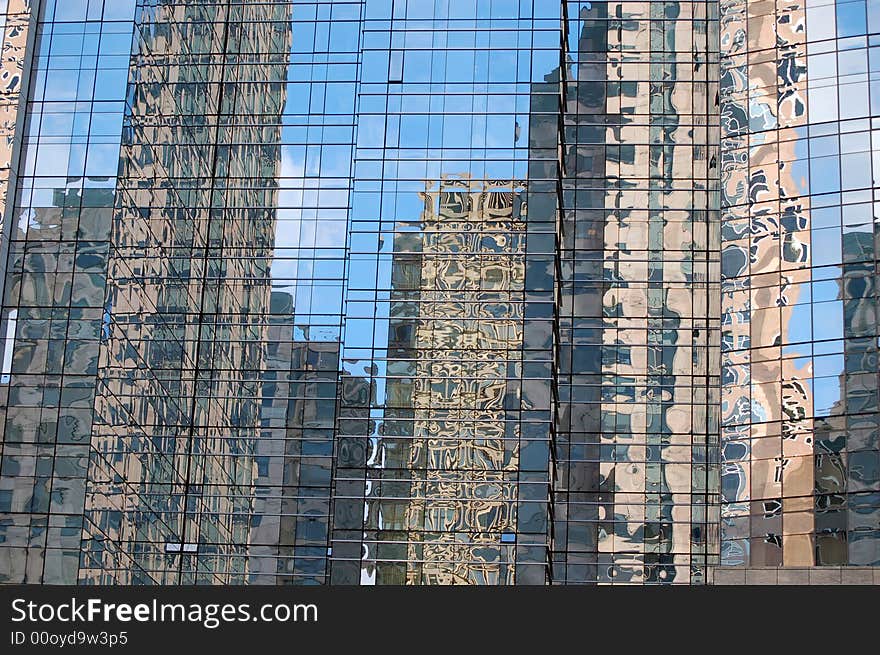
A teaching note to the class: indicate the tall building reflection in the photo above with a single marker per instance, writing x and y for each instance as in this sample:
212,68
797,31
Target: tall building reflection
799,398
443,472
637,481
293,453
176,409
456,314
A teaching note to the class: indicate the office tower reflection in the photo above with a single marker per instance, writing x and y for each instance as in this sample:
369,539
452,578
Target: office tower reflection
637,443
799,427
176,408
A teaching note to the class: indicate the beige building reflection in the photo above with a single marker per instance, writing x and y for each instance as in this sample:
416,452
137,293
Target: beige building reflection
15,27
658,407
457,329
767,403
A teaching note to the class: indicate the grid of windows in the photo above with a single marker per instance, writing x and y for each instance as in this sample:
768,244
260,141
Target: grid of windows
213,156
639,299
442,470
55,275
290,528
176,407
437,291
16,21
801,462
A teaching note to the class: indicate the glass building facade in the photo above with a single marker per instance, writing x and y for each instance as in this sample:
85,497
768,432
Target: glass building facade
485,292
800,153
637,445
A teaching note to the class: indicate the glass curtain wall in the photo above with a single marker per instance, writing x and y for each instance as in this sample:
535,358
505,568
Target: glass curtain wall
801,460
636,484
53,297
446,416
